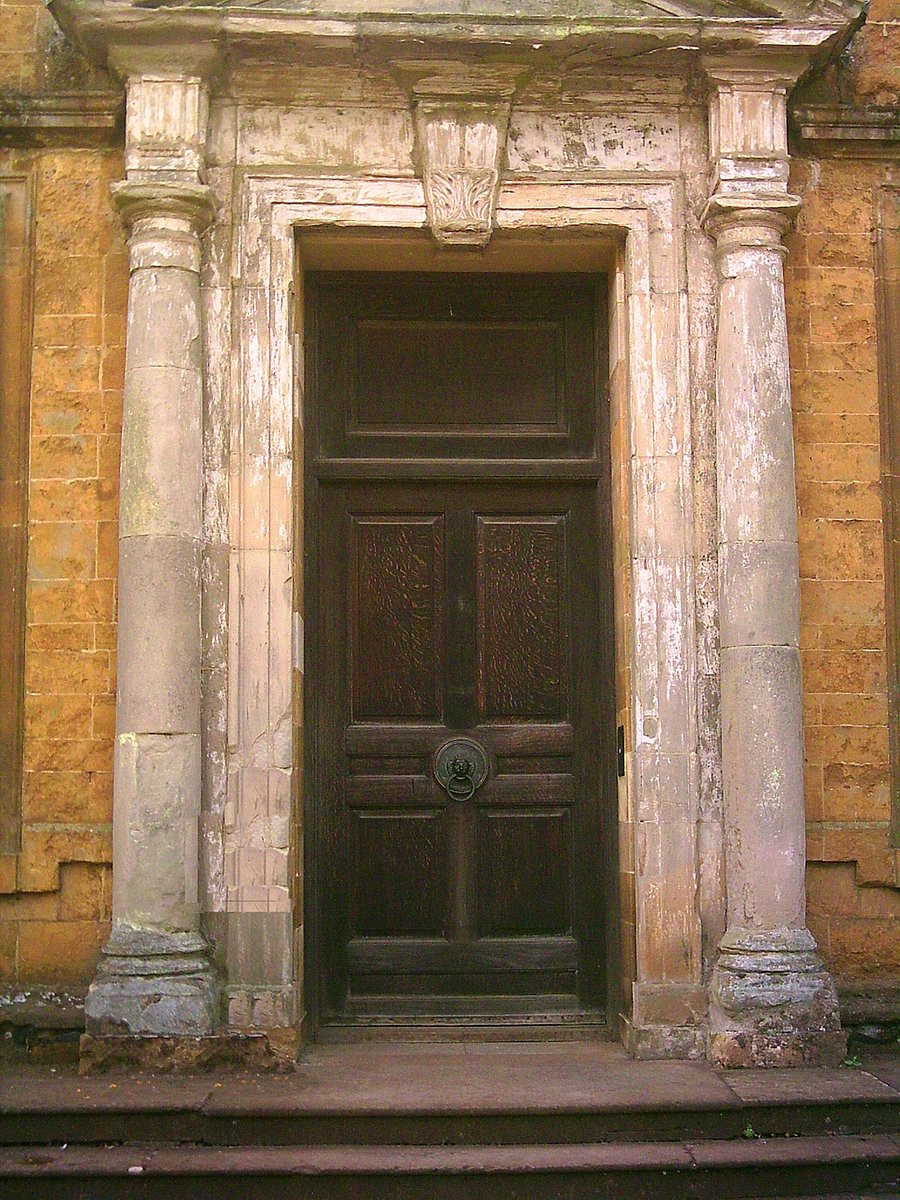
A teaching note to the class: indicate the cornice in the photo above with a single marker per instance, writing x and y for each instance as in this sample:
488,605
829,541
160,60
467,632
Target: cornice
528,31
75,119
846,131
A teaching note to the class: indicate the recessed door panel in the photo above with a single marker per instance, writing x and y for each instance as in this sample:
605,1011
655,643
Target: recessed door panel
524,871
440,365
396,610
471,376
399,873
521,616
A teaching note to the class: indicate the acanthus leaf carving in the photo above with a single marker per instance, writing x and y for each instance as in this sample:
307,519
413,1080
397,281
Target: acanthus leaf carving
461,204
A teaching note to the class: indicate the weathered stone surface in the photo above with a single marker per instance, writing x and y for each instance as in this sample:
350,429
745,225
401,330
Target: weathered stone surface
156,830
763,780
461,121
159,607
773,1003
152,982
760,590
187,1055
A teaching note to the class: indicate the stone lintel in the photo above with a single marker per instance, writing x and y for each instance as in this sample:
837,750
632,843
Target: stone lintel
444,79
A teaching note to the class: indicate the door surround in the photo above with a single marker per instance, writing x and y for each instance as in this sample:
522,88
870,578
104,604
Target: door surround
641,224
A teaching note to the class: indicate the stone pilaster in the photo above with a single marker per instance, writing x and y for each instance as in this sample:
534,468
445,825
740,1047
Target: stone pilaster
155,976
772,1002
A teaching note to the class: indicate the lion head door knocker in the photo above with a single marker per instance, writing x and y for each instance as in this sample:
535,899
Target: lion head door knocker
461,767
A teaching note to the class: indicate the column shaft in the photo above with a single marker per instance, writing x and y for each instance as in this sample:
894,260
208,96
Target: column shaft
762,743
772,1001
156,977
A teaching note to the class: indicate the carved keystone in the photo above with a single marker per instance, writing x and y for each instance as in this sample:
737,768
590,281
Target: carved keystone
461,119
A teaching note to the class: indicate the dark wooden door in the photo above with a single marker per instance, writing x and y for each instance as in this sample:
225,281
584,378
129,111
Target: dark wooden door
460,553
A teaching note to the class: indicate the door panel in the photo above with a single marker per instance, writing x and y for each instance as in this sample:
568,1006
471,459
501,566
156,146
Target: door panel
436,370
513,900
449,607
521,619
435,365
399,872
396,612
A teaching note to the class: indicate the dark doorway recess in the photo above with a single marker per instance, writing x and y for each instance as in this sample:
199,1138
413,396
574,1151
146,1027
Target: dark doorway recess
458,588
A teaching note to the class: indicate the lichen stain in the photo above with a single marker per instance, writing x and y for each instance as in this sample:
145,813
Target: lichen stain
140,498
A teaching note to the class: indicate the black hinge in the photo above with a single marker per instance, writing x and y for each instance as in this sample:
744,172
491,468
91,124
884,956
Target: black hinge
620,751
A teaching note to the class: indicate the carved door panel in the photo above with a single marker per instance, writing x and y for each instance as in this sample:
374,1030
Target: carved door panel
458,608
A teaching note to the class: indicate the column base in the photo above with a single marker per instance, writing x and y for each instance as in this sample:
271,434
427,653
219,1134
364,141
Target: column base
151,983
772,1003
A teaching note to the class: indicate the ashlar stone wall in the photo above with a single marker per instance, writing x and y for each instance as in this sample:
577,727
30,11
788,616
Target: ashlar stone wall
854,871
55,895
830,286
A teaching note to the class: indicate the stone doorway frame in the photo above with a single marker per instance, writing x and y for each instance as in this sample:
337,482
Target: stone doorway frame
664,1000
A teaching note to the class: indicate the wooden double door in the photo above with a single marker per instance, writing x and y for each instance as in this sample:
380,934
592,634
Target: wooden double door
460,669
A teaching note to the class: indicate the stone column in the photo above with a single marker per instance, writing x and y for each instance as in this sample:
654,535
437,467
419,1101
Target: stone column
772,1002
155,976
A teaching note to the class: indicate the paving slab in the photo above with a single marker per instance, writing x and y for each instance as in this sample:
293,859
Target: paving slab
352,1160
801,1085
401,1079
887,1071
75,1161
34,1092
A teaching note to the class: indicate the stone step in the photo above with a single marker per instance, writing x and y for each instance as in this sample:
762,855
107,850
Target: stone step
259,1125
517,1096
706,1170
